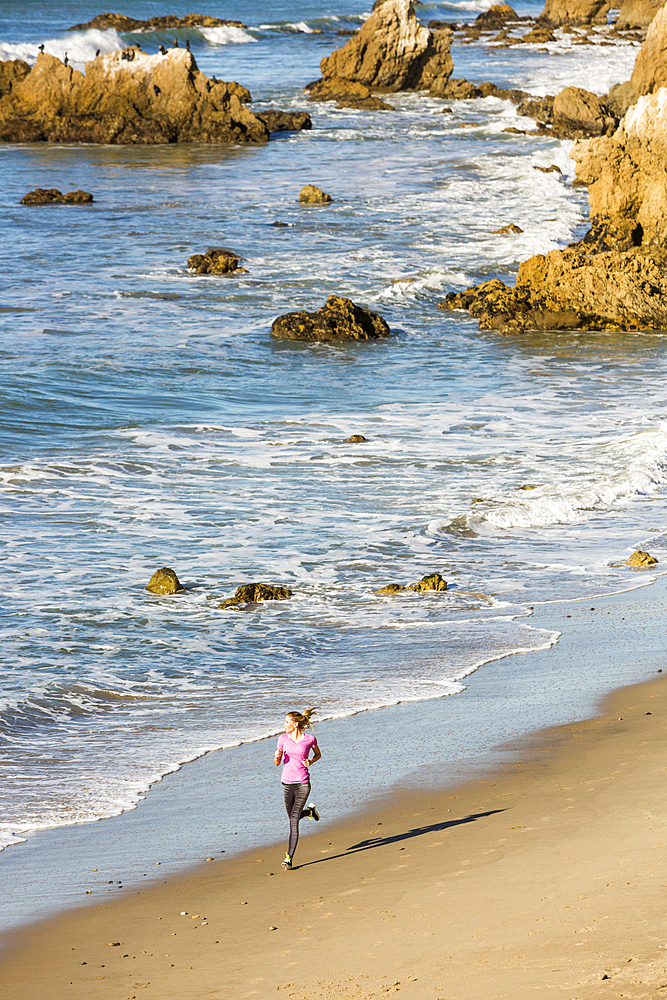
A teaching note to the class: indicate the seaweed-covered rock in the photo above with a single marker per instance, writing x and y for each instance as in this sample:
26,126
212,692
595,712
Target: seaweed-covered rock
52,196
251,593
125,97
641,560
338,320
164,581
432,581
217,260
312,195
285,121
391,52
123,23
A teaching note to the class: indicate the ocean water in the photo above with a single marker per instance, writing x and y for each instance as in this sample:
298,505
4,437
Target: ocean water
149,419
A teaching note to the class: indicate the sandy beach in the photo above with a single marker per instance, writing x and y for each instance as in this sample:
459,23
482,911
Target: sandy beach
545,877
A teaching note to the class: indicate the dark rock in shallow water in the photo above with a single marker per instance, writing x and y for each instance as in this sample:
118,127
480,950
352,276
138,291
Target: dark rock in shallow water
52,196
338,320
285,121
356,439
312,195
251,593
431,582
217,260
164,581
641,560
123,23
347,94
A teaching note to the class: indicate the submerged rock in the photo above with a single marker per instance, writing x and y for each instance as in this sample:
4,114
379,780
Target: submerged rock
123,23
52,196
356,439
509,228
347,94
217,260
250,593
391,588
392,52
338,320
311,195
125,97
640,559
164,581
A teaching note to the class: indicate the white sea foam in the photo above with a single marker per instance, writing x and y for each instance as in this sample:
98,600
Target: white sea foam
227,34
79,46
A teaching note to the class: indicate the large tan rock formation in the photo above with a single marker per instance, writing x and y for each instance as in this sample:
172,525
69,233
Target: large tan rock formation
650,71
576,11
637,13
124,97
391,52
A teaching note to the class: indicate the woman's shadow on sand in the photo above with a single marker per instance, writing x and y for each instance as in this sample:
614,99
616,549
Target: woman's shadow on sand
418,831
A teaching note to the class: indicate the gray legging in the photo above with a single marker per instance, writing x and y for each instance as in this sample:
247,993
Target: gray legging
295,797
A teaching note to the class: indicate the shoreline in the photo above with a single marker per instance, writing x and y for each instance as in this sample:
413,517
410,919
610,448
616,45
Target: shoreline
183,820
560,846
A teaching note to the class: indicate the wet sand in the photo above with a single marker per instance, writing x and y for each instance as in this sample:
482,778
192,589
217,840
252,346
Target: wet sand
545,878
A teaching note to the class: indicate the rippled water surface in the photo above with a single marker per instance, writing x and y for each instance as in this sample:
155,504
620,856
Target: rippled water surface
150,419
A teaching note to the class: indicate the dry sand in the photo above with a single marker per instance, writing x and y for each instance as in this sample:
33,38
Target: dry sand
546,880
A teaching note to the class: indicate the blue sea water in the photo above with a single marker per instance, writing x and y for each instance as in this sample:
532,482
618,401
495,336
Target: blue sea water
149,418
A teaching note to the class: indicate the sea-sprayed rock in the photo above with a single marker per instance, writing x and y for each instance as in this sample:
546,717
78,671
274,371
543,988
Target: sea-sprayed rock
496,17
574,113
312,195
125,97
164,581
338,320
52,196
430,582
346,94
252,593
650,70
637,13
123,23
217,260
392,52
641,560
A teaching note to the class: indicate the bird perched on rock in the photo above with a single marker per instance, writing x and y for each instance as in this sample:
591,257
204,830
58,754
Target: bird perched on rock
162,50
97,53
176,43
187,45
41,47
156,90
66,60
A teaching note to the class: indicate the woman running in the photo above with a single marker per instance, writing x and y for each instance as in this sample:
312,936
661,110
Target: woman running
293,748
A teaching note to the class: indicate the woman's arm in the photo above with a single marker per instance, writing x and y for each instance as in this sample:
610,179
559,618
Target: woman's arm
314,759
278,756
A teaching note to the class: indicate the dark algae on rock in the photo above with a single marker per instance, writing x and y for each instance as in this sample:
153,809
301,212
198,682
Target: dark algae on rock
253,593
338,320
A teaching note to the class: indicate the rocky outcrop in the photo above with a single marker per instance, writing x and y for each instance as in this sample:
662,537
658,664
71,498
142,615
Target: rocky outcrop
637,13
392,52
650,70
496,17
574,113
641,560
125,97
217,260
576,11
285,121
338,320
432,581
253,593
52,196
164,581
625,175
312,195
346,94
123,23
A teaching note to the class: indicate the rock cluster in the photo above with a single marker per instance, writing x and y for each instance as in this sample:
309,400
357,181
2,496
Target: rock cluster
217,260
338,320
52,196
391,52
125,97
123,23
252,593
432,581
164,581
285,121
